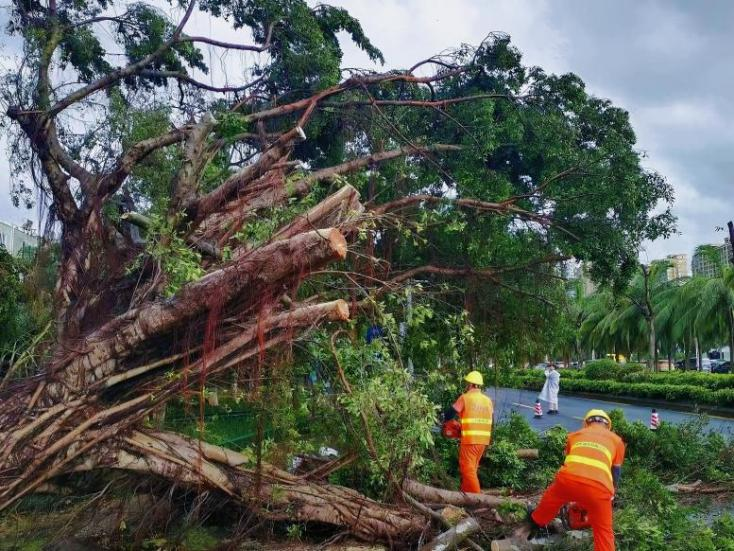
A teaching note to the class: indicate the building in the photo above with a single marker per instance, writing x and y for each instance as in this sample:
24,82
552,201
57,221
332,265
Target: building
16,239
678,266
702,264
579,271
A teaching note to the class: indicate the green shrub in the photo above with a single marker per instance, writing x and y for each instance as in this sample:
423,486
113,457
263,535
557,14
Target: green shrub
611,370
517,430
601,369
502,468
653,390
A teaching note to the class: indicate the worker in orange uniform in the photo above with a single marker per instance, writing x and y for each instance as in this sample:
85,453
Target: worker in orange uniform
475,410
589,477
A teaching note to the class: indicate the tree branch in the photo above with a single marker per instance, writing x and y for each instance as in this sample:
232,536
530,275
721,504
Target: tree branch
415,103
136,153
252,272
231,45
122,72
183,77
268,194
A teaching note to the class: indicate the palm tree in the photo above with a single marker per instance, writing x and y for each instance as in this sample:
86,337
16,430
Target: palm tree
710,301
626,320
636,315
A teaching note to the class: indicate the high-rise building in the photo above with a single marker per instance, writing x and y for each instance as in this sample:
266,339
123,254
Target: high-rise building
703,265
15,239
678,266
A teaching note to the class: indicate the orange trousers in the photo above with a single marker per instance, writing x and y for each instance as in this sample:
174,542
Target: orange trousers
594,497
469,457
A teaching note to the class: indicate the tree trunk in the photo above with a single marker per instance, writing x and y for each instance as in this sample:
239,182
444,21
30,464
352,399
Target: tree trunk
653,351
451,538
430,494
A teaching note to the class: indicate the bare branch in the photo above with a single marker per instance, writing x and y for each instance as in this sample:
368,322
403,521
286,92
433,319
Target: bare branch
183,77
231,45
122,72
415,103
304,185
127,162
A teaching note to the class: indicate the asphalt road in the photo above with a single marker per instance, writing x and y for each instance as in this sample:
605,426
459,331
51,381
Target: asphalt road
572,410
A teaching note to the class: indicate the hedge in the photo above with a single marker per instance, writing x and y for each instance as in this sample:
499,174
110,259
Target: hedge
607,370
659,391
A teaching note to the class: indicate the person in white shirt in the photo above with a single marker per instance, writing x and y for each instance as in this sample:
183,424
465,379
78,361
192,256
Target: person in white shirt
550,389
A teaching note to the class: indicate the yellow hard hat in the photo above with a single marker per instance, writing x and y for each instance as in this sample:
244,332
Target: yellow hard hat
597,413
475,378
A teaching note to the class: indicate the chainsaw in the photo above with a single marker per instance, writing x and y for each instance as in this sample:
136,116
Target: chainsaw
574,517
451,429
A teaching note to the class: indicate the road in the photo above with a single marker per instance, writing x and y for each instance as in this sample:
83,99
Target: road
572,410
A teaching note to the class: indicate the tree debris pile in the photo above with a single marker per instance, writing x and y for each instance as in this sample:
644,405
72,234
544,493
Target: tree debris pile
216,233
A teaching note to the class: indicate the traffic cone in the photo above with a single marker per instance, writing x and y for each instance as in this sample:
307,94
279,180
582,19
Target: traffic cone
654,420
538,410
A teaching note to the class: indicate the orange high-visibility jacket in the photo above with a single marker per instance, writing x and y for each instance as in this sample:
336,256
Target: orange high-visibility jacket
591,453
475,410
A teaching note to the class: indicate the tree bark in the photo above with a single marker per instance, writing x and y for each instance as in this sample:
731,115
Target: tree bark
450,539
430,494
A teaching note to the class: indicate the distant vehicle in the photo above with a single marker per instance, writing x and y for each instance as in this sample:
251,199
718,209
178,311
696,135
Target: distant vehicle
721,367
692,364
542,366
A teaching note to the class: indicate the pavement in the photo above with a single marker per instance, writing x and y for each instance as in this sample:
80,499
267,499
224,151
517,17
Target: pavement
572,409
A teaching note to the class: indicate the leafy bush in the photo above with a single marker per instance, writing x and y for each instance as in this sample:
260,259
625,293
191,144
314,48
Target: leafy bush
653,390
711,381
502,467
610,370
652,519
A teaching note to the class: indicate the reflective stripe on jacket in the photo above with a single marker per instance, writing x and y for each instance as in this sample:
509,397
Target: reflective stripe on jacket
591,453
476,418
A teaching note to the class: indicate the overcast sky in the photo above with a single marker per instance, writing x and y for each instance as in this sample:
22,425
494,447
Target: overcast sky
667,62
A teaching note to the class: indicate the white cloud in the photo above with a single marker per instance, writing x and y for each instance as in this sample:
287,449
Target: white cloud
408,31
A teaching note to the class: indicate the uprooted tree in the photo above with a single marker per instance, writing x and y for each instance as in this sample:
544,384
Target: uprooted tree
197,215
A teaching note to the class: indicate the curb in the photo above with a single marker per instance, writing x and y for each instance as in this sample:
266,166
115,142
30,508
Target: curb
685,407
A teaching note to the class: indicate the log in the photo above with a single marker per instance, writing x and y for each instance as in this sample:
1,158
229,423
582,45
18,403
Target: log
336,310
274,494
528,453
450,539
524,544
334,211
698,487
252,273
435,495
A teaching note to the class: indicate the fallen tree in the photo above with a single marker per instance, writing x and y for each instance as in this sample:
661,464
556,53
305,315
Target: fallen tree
115,358
189,230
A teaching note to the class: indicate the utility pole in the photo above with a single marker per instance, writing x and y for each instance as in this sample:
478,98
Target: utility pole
731,240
